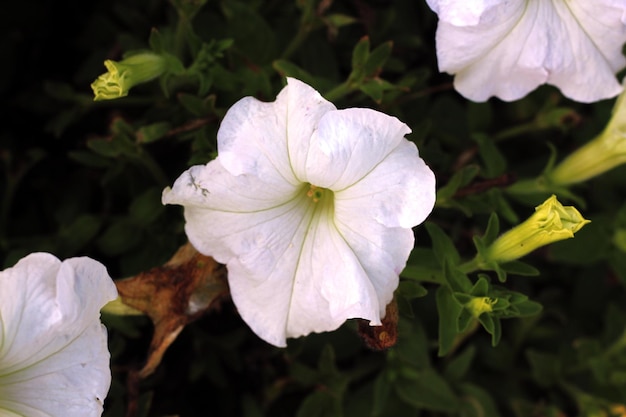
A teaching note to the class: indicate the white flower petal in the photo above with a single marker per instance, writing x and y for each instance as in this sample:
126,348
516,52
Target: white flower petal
315,286
398,192
519,45
221,209
53,353
348,144
271,139
462,13
593,39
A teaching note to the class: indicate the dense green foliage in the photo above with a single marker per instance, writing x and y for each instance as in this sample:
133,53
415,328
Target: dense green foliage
84,177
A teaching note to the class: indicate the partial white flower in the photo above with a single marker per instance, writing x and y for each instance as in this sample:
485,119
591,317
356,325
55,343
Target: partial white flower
507,48
54,360
310,208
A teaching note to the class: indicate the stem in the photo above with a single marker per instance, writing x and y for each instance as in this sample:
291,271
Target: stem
461,337
295,43
471,266
340,91
515,131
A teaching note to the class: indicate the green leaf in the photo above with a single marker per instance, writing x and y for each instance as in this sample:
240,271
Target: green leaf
546,368
320,404
492,325
376,59
444,248
457,280
520,268
412,347
89,159
382,390
338,20
448,310
199,107
74,237
460,179
156,41
375,88
427,390
495,164
147,207
120,237
476,402
288,69
360,54
459,365
411,289
326,363
528,308
492,231
152,132
104,147
423,266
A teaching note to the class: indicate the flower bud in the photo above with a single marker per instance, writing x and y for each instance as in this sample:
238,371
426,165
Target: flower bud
551,222
604,152
479,305
124,75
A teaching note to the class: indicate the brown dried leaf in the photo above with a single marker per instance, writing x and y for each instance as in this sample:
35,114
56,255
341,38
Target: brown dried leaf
173,295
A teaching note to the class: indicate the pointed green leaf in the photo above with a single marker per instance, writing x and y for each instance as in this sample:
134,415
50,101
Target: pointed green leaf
442,245
492,231
448,310
360,54
428,391
457,368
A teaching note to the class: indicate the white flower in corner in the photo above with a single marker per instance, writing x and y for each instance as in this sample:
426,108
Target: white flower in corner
507,48
310,208
54,360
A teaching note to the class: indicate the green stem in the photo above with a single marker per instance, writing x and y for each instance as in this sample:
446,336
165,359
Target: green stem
340,91
515,131
295,43
461,337
471,266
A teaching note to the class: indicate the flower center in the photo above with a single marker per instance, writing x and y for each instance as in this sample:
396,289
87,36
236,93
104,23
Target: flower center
316,193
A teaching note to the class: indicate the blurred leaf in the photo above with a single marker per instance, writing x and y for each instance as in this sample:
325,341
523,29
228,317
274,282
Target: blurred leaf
152,132
427,390
545,367
319,404
448,309
122,235
411,289
146,207
458,367
73,237
442,245
477,402
288,69
494,161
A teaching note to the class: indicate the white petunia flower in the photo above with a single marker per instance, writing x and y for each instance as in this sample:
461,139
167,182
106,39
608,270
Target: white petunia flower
54,360
507,48
310,208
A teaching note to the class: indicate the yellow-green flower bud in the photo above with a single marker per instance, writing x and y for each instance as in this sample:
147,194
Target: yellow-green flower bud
604,152
480,305
123,75
551,222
